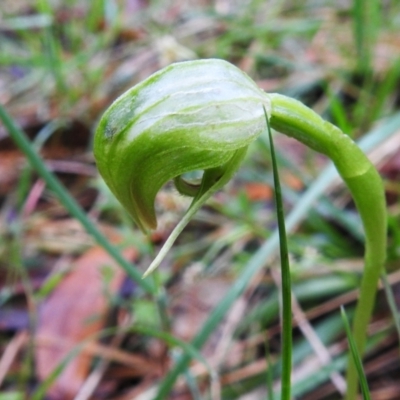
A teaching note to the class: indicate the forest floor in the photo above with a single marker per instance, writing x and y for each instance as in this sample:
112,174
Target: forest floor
73,324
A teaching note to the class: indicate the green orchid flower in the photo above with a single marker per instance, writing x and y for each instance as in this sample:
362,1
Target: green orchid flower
203,115
176,121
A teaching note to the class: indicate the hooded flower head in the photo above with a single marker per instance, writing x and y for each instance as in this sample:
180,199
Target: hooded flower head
194,115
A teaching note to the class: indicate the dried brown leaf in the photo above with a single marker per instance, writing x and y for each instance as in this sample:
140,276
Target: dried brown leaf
75,310
258,191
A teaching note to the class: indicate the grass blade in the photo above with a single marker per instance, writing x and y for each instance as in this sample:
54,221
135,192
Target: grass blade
356,356
366,28
285,277
391,302
269,375
67,200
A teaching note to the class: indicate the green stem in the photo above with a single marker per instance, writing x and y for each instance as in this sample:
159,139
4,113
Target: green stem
294,119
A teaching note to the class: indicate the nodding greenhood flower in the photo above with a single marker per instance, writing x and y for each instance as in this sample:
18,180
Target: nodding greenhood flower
196,115
202,115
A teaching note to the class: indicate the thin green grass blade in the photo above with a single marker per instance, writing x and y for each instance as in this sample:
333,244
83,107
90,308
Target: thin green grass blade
392,302
338,112
192,385
356,356
24,183
172,341
52,48
269,375
384,91
316,378
285,277
66,199
366,28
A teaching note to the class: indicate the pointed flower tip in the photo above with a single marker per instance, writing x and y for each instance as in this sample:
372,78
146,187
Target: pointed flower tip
152,267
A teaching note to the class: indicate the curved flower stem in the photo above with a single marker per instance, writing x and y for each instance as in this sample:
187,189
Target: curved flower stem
294,119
